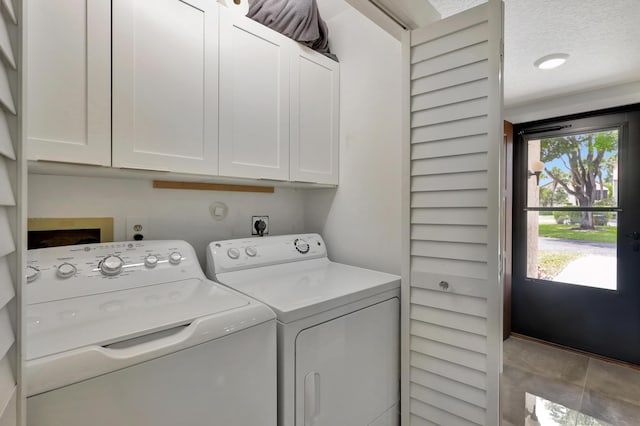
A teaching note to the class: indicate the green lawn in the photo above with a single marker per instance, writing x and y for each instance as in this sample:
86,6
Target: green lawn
552,263
602,234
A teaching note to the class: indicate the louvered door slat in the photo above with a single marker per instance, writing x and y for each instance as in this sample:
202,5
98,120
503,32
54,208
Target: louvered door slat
6,192
451,112
452,320
446,148
451,233
6,97
5,44
442,417
448,387
451,95
451,181
8,416
6,144
457,40
435,398
451,129
464,375
450,336
455,320
454,59
8,9
467,216
458,76
468,162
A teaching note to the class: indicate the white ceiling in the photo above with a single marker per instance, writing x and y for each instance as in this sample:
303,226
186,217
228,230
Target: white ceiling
602,37
331,8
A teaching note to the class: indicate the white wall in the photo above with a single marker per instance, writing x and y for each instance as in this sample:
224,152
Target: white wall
575,103
172,214
360,221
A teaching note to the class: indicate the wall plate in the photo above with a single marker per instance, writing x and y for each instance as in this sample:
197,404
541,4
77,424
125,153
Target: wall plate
255,219
137,228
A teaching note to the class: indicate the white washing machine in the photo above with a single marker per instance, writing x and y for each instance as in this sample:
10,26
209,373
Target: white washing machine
133,334
338,328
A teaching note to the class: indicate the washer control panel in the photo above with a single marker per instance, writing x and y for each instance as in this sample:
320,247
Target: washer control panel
234,255
72,271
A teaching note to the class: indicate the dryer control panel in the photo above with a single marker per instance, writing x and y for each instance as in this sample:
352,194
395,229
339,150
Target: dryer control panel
235,255
80,270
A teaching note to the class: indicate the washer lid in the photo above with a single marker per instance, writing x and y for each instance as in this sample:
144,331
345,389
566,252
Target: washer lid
104,319
301,289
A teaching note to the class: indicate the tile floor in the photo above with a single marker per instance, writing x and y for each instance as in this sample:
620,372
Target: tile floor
577,389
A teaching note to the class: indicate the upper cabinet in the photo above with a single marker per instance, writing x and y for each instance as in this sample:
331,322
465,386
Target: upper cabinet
315,131
254,99
194,88
165,85
68,81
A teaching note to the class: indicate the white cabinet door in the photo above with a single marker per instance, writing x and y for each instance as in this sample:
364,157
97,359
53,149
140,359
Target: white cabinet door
315,112
347,369
68,81
165,85
254,99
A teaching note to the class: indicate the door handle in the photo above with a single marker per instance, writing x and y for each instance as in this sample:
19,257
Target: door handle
311,398
634,236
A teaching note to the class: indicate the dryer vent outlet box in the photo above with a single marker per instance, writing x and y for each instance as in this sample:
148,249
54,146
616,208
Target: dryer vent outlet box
259,225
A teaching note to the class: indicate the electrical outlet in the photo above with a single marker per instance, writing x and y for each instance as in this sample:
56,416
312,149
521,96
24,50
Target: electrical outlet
256,225
137,228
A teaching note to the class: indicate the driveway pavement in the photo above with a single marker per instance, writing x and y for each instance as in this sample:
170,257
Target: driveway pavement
592,271
576,246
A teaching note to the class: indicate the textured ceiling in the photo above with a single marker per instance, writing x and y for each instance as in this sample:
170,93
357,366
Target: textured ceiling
602,37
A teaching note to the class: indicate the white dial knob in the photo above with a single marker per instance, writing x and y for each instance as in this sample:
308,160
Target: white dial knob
251,251
151,261
32,274
175,258
302,246
66,270
233,253
111,265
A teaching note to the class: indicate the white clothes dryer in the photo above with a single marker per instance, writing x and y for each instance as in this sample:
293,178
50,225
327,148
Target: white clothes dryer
133,334
338,328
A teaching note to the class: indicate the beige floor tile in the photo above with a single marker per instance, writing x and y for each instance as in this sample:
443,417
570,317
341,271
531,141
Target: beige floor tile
584,420
546,361
613,411
615,381
516,383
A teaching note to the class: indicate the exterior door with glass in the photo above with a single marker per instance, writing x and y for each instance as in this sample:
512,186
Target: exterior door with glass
576,232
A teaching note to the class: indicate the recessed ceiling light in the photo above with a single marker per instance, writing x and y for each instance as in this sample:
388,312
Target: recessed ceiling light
551,61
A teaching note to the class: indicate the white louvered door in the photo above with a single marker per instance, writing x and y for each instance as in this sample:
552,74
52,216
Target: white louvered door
452,312
11,222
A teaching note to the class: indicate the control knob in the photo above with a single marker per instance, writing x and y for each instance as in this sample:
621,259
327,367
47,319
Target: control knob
151,261
302,246
175,258
32,273
233,253
251,251
66,270
111,265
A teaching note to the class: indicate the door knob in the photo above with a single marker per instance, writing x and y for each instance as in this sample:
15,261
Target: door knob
634,236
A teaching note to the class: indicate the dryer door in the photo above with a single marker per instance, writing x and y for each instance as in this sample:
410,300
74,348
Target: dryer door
347,369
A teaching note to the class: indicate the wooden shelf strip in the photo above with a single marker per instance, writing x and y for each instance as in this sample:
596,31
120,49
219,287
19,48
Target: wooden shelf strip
165,184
